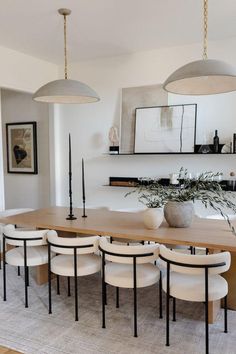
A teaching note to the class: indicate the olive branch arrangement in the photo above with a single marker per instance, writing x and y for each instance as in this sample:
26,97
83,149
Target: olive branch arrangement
206,188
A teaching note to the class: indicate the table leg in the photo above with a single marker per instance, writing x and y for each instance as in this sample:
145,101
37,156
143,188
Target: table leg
41,274
213,310
213,306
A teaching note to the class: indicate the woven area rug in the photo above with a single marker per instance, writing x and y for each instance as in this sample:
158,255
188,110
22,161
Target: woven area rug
33,331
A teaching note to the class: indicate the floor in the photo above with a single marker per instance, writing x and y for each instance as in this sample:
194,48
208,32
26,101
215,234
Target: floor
33,331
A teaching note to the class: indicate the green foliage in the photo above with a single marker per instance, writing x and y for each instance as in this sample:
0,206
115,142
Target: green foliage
205,188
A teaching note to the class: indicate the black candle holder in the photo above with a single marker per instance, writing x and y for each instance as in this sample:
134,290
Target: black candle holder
84,214
70,215
83,190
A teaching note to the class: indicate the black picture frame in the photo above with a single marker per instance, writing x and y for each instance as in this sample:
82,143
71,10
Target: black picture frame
174,127
21,138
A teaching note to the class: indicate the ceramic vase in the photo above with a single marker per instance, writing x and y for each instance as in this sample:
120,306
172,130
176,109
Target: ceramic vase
179,214
153,217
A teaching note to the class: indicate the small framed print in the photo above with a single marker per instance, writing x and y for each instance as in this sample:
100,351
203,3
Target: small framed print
22,147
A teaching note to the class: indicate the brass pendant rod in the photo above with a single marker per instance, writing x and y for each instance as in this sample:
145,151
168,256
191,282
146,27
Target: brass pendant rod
205,26
65,47
65,13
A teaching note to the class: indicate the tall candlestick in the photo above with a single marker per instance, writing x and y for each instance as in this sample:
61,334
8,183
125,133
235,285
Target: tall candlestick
69,155
83,190
70,215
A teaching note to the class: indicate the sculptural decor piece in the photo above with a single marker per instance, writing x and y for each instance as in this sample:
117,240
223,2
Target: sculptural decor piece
114,140
22,147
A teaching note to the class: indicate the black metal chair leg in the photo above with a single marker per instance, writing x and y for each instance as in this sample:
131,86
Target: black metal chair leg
103,292
18,271
135,297
49,281
206,311
76,285
117,298
4,270
25,275
68,286
160,296
174,309
58,284
225,315
168,306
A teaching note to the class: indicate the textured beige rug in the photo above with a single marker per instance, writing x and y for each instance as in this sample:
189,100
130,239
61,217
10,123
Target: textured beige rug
33,331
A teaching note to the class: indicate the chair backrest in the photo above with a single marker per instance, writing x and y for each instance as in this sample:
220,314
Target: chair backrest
40,236
188,259
119,252
66,245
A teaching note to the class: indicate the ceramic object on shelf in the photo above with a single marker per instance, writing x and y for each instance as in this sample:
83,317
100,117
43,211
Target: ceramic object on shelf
174,178
179,214
153,217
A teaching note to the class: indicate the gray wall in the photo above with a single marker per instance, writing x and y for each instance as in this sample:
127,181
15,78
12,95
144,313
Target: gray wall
22,190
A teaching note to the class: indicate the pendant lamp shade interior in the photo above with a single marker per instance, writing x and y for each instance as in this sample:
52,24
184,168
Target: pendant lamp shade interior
202,77
65,90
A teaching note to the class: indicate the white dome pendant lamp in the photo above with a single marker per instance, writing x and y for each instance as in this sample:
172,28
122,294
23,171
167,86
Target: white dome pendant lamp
202,77
65,90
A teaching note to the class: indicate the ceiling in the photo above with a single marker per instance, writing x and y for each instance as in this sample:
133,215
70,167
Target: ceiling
98,28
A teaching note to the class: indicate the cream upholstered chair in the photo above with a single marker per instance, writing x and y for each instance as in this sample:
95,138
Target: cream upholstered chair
128,267
75,258
6,213
195,278
30,250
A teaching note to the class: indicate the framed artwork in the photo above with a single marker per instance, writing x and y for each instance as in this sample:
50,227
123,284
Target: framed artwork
165,129
133,97
22,147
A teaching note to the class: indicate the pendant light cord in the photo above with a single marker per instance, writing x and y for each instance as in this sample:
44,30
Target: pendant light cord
205,29
65,47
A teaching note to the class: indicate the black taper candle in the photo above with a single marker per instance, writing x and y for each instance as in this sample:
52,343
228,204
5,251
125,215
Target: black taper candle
70,215
83,190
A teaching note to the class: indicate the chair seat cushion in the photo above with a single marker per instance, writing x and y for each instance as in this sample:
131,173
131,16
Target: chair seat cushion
192,287
121,275
36,255
86,264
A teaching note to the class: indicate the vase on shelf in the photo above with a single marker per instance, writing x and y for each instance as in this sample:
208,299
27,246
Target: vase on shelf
153,217
216,143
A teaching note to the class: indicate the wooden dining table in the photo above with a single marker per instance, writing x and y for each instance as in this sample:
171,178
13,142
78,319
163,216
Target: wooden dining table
215,235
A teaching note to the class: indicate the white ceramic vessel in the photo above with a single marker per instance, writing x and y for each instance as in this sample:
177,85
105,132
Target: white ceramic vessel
153,217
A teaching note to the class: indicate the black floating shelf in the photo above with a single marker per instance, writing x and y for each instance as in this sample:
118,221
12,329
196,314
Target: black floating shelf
227,185
196,151
170,153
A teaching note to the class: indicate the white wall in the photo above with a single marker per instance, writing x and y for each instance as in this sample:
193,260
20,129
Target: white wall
22,72
22,190
89,124
2,199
